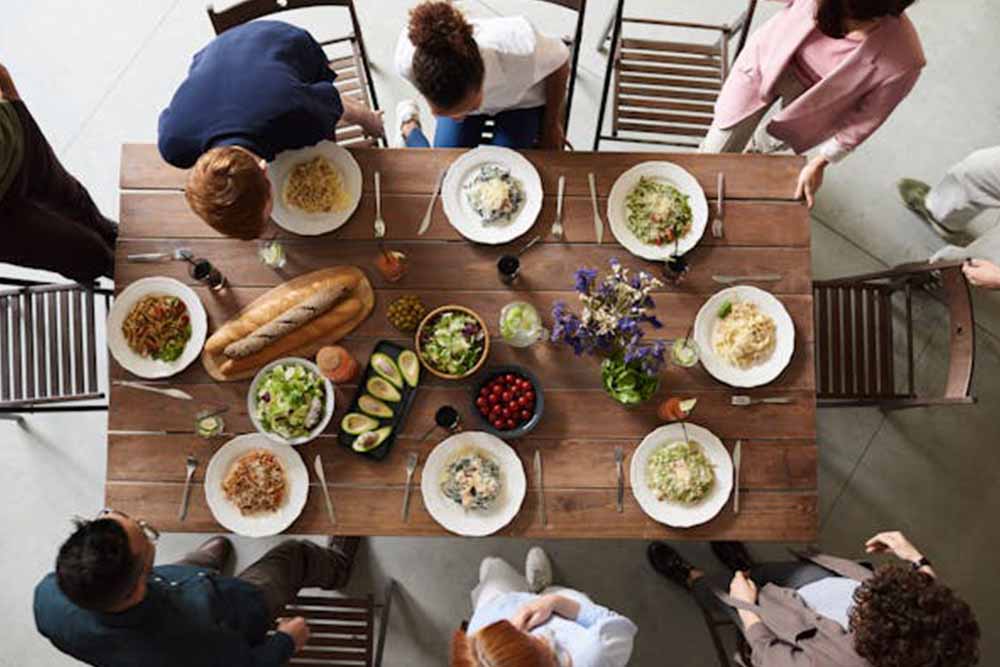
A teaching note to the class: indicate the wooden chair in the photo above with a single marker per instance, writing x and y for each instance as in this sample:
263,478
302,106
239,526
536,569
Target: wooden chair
855,355
343,631
49,347
718,623
664,92
573,43
347,55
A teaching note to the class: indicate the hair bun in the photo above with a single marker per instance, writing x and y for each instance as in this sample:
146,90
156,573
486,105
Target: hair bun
438,26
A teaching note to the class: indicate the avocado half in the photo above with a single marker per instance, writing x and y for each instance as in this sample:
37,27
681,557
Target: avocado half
380,388
374,407
386,367
356,423
370,440
409,365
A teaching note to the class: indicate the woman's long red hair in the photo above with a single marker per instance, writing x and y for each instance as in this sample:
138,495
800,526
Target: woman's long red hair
499,645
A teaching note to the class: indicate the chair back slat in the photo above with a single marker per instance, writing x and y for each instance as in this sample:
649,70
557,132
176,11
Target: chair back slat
836,351
846,308
40,340
342,630
5,355
887,377
15,329
962,341
29,345
821,306
91,342
77,306
66,366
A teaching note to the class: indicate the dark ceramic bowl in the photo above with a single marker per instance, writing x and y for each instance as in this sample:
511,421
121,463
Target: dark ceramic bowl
491,374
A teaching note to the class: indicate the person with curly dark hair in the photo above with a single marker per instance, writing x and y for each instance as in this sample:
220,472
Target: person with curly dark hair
822,611
470,71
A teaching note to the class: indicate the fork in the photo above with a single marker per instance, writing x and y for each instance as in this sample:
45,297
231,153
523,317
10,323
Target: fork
177,255
619,471
557,226
411,466
192,463
379,222
720,208
743,401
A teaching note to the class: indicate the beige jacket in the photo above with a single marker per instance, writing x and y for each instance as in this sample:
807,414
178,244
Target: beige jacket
791,634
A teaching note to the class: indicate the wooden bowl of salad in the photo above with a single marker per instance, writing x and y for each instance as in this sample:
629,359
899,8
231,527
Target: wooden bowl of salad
452,342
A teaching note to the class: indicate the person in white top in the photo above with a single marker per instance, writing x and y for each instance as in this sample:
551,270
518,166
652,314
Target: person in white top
969,188
520,620
473,71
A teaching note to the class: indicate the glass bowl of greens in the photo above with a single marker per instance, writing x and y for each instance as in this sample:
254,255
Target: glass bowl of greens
290,401
452,342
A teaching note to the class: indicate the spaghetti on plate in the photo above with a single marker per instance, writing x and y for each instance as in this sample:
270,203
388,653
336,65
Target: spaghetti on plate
745,336
316,186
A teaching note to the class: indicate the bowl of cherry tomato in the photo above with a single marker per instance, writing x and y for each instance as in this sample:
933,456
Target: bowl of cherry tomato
509,401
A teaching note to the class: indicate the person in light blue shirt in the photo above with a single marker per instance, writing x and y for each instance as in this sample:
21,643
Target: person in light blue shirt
524,620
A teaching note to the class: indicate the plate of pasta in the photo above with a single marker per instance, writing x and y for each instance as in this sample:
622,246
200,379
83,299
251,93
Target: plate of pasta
156,327
681,475
492,195
657,209
315,190
473,484
746,336
256,487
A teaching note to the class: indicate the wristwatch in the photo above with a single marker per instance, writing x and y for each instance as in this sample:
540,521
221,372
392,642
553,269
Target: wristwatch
923,562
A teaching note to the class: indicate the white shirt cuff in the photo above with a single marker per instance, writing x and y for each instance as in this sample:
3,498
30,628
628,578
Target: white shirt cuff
833,150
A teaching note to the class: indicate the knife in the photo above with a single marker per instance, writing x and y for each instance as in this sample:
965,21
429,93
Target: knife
318,467
619,457
538,483
425,225
598,223
761,278
736,465
172,393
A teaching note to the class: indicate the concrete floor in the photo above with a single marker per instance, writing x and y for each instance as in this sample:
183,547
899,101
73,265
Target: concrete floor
97,74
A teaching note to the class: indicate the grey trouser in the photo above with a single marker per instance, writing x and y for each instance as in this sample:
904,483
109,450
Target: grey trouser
284,570
750,134
969,188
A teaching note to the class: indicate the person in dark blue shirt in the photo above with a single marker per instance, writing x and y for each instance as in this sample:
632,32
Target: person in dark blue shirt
256,90
107,605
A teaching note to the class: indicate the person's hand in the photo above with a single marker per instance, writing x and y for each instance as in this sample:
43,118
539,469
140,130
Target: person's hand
7,90
372,123
295,628
743,588
535,613
982,273
553,137
893,542
811,179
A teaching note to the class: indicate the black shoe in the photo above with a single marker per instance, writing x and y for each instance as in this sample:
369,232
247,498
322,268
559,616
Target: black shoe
733,555
669,563
344,550
219,549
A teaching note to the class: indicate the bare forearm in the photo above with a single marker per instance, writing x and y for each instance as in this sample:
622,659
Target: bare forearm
566,607
354,112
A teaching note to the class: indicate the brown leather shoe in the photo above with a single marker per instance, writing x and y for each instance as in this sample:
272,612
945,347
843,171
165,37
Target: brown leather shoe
344,550
219,551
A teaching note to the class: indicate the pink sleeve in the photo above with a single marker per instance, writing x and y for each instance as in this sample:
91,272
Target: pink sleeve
874,109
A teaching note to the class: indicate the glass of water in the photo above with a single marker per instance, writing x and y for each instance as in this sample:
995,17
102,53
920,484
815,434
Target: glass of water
272,253
520,324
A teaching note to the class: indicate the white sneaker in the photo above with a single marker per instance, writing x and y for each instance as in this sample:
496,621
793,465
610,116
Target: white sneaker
538,570
406,111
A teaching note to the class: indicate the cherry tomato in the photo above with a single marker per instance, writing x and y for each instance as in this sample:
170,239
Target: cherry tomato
509,377
530,395
523,401
509,424
505,396
525,415
496,409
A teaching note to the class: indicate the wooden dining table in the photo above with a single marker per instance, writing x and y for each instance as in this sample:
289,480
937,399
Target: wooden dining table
766,232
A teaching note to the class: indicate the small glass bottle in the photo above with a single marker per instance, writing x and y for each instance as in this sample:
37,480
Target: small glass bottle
203,271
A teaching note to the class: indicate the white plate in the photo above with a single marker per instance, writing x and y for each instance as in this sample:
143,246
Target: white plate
680,515
313,224
465,220
762,373
473,523
258,525
671,174
328,407
146,367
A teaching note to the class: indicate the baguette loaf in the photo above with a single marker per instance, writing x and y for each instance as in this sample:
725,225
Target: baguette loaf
287,322
271,308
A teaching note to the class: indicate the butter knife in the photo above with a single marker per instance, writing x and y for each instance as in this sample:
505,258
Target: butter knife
737,455
318,467
619,458
425,225
541,492
760,278
172,393
598,223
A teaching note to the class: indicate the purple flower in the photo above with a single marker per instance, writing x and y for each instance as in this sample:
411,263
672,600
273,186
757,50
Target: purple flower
584,279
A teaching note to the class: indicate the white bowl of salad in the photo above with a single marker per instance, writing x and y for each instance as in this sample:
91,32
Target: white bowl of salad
290,401
452,342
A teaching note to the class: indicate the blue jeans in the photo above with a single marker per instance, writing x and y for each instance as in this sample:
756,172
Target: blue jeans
517,128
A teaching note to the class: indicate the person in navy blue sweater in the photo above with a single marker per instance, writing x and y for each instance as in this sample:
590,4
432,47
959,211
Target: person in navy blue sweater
254,91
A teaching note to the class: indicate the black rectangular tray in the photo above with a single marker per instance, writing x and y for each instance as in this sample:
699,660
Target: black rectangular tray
399,414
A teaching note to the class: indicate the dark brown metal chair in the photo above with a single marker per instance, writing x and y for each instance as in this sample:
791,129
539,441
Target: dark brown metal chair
855,355
664,92
347,55
49,347
343,631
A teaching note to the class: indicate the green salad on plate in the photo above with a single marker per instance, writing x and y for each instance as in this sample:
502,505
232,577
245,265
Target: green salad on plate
290,401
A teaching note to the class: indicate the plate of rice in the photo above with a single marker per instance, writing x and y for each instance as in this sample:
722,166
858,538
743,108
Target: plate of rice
316,189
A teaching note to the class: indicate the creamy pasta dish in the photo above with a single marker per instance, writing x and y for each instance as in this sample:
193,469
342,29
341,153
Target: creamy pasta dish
316,186
494,194
680,472
744,336
472,480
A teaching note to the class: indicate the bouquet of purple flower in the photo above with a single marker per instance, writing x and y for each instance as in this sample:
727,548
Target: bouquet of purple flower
611,325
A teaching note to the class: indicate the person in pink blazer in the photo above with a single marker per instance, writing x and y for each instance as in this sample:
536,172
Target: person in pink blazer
839,67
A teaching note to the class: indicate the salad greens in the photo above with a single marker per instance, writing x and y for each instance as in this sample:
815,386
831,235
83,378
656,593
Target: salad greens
627,383
290,400
453,343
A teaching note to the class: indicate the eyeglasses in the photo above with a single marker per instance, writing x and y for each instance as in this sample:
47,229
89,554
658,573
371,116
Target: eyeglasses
151,533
